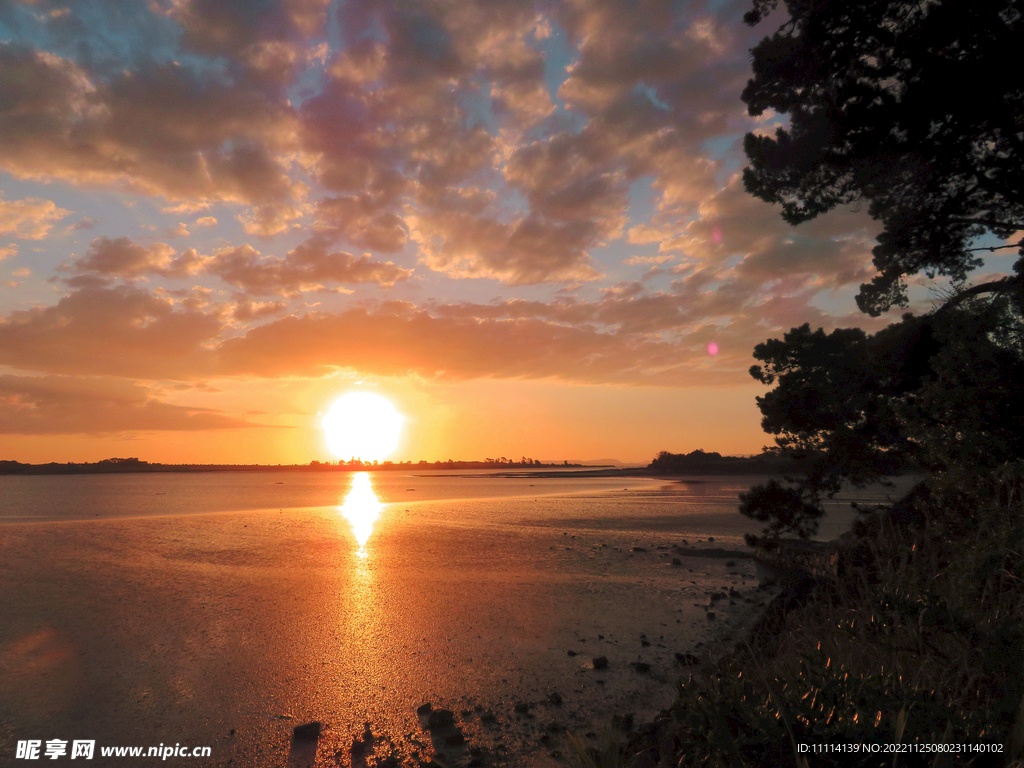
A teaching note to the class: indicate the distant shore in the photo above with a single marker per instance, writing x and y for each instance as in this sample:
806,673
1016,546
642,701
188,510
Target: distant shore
704,464
110,466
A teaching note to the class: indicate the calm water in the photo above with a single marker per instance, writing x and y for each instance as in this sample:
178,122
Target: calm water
222,609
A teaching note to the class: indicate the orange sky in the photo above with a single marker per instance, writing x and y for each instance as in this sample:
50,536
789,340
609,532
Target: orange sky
521,222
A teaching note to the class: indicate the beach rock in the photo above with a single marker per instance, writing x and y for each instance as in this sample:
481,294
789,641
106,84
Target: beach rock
362,746
711,539
555,697
522,708
641,666
307,731
455,740
645,643
600,662
424,709
687,659
440,718
638,549
711,616
730,564
676,561
488,718
358,750
570,653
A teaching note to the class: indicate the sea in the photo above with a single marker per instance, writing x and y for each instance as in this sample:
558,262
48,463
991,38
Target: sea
221,610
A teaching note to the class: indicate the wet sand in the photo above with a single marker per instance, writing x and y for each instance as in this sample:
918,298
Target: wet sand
227,630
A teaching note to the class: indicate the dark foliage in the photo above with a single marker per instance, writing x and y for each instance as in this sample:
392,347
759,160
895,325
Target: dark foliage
939,393
915,108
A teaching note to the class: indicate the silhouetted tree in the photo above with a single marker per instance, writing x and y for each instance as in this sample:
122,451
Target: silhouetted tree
941,393
916,108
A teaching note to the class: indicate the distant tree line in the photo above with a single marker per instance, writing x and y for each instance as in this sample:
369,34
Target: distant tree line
701,462
129,465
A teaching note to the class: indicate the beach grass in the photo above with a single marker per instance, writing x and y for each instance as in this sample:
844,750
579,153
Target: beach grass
914,657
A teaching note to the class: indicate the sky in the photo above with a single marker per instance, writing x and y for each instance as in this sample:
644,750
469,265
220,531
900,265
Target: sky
522,223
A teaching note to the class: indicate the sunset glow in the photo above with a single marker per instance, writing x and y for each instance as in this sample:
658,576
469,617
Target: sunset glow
362,425
523,220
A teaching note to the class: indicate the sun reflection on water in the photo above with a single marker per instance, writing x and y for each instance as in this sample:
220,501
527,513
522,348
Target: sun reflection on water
361,508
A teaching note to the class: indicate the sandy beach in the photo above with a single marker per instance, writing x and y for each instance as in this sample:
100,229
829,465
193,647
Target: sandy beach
228,630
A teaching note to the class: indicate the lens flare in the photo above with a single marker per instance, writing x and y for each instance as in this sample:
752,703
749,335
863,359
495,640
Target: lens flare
712,349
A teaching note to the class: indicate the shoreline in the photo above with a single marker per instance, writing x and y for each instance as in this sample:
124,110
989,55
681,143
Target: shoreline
181,607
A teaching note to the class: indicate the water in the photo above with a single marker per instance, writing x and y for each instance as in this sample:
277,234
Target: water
222,609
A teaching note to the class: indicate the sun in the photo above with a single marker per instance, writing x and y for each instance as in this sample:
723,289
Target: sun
362,425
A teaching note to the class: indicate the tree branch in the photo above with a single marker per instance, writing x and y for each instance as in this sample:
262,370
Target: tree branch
995,286
989,222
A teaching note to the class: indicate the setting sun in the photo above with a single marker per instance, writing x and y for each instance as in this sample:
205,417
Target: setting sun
362,425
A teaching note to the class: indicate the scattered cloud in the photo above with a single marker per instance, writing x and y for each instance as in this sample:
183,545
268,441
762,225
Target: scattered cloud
29,219
126,259
109,331
160,130
64,405
310,266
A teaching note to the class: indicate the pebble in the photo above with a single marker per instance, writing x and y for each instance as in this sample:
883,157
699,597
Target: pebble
307,731
440,718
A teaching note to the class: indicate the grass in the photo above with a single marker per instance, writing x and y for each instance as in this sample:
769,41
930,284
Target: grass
922,643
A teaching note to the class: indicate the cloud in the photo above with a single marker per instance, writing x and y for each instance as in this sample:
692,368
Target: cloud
206,221
525,251
11,249
636,260
310,266
119,331
831,251
399,339
271,219
64,405
157,130
362,223
270,39
631,336
246,310
29,219
125,259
